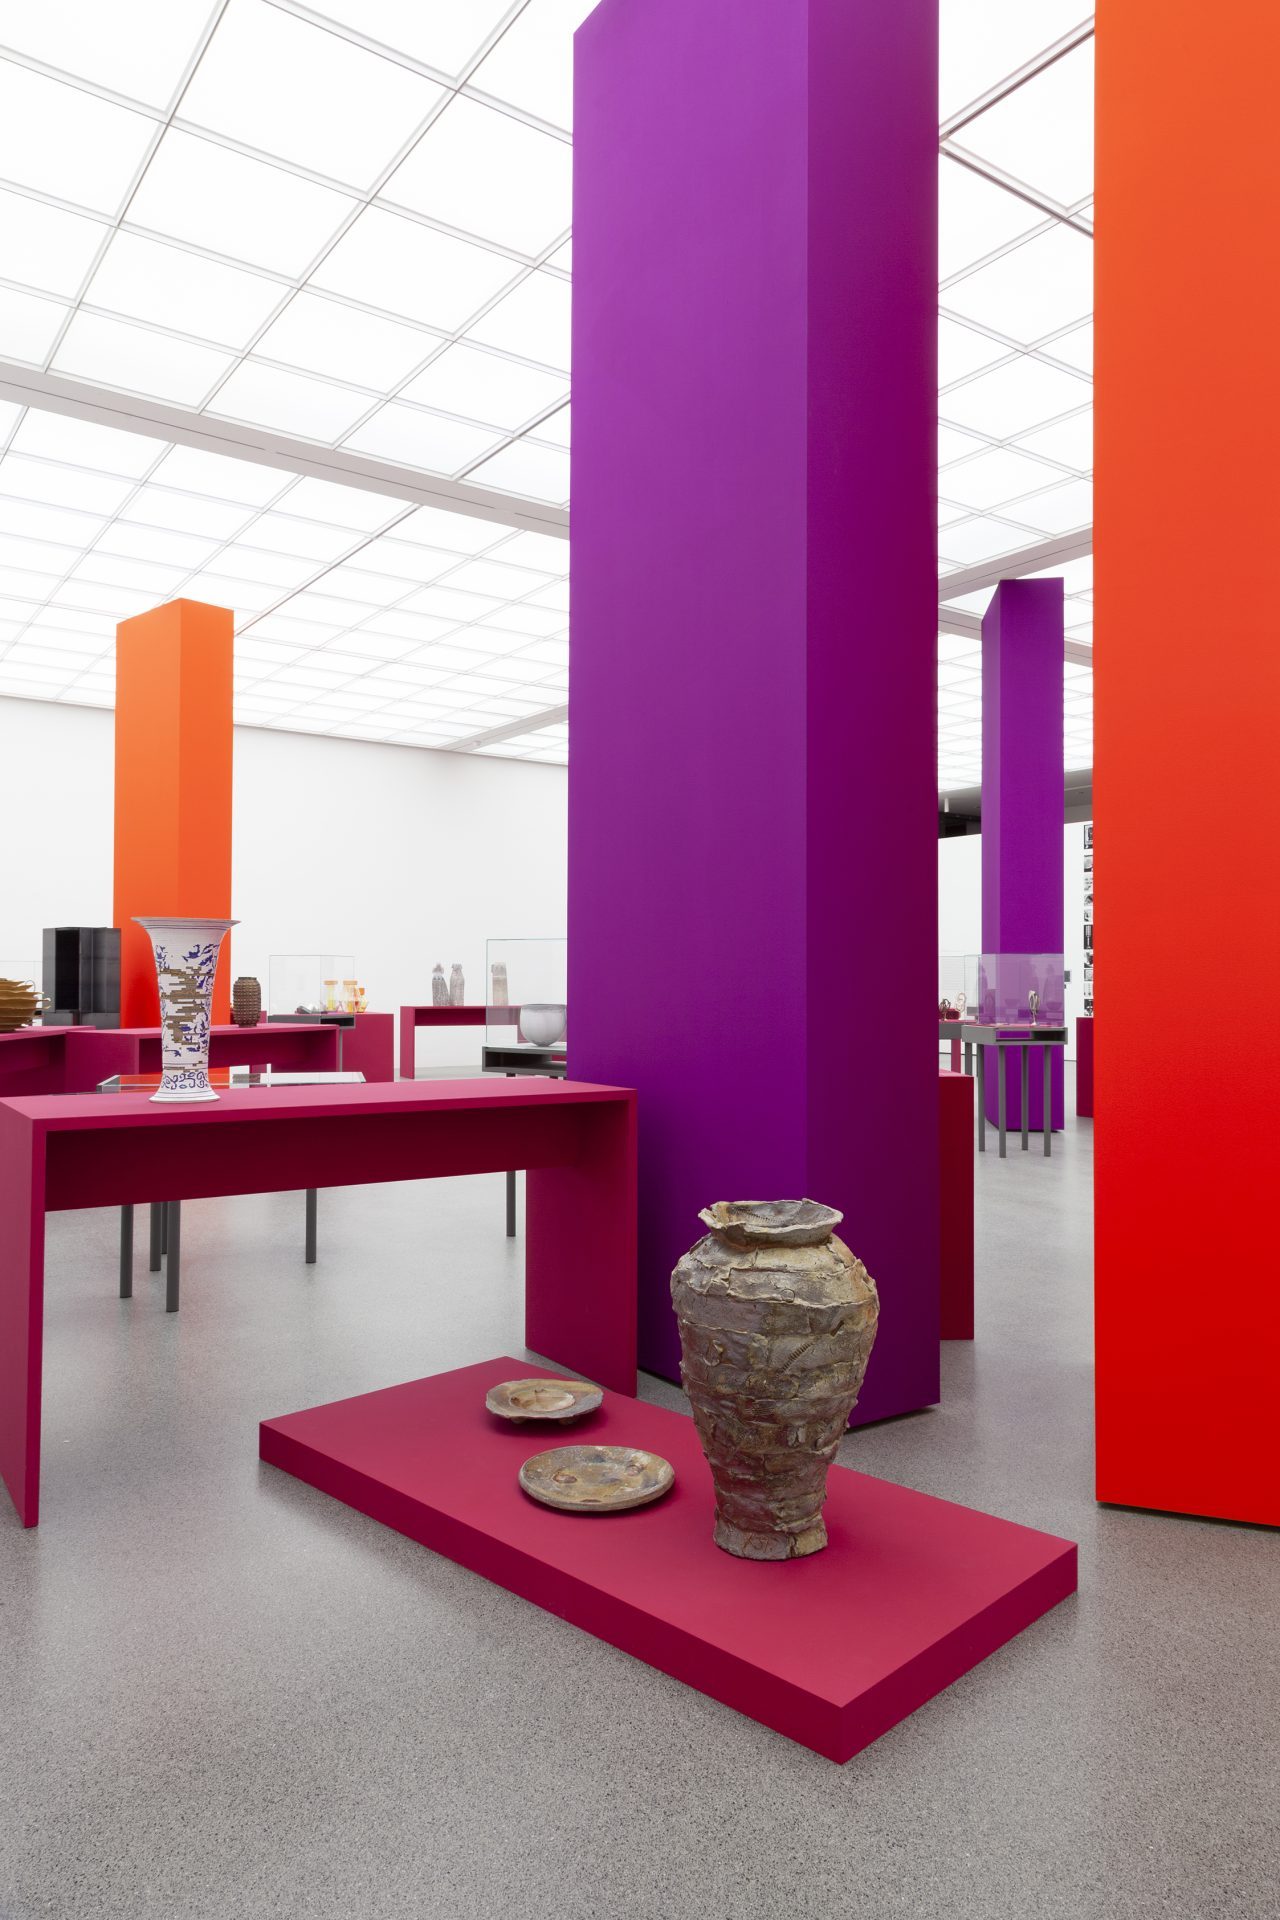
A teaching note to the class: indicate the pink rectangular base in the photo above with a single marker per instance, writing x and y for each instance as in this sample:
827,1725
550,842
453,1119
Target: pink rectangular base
832,1650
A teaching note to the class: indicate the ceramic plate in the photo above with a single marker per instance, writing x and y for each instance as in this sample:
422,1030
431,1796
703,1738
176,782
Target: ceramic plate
542,1399
596,1479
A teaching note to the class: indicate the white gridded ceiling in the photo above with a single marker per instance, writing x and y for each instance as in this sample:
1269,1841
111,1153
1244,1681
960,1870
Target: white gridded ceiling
349,223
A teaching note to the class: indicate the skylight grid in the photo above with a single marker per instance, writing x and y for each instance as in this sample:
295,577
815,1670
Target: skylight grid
348,224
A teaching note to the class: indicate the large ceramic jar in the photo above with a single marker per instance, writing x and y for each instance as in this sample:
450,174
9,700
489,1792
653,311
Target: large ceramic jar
777,1319
186,955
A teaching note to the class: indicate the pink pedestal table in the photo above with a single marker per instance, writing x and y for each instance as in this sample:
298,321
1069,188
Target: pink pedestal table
411,1018
832,1650
1084,1067
955,1145
77,1059
577,1141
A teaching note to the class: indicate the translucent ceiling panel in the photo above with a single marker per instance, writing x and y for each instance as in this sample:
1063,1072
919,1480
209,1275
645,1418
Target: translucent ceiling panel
342,343
289,402
994,477
1042,133
82,443
244,209
29,326
1060,510
533,321
277,83
962,350
1013,398
975,217
413,438
65,142
138,360
486,387
88,38
444,37
1069,441
149,280
220,476
385,260
555,429
539,473
483,171
1076,348
1041,285
45,248
532,64
983,40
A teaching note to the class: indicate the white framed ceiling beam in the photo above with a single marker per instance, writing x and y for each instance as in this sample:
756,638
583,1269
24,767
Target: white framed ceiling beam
106,407
511,730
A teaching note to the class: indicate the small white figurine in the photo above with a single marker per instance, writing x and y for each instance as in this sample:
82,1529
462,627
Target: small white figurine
457,987
498,986
439,987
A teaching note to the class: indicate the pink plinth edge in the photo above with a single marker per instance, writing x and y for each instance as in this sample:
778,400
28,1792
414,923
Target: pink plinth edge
831,1651
955,1149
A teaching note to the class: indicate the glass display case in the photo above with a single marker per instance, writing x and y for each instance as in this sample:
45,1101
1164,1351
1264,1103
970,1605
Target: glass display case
525,985
1015,989
314,983
951,987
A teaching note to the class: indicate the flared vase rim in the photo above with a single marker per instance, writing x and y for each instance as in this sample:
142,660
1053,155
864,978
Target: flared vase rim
764,1223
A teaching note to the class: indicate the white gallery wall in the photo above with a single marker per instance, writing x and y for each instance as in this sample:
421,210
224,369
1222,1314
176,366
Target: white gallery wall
960,909
397,855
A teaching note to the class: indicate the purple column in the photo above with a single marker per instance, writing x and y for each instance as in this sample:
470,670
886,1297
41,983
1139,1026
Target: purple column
753,792
1022,803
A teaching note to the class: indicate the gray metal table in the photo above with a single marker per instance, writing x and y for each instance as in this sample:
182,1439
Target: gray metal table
977,1037
515,1060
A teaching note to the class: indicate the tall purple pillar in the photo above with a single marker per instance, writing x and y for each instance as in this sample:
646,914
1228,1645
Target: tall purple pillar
1023,800
753,795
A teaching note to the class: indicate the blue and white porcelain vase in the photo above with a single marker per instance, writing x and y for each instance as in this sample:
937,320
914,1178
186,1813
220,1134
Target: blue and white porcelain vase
186,954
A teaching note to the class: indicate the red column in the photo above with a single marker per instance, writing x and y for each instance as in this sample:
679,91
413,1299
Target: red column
1187,675
173,787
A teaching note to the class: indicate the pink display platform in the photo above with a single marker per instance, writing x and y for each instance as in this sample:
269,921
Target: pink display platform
832,1650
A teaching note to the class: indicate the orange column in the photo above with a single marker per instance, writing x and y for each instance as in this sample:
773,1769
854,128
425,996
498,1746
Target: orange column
173,787
1187,700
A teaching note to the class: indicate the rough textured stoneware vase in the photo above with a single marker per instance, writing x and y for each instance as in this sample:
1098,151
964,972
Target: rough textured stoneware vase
186,954
246,1001
777,1319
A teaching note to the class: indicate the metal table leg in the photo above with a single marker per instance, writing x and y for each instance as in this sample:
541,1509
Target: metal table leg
511,1194
157,1234
1024,1055
968,1057
982,1098
1047,1051
126,1253
173,1254
311,1227
1000,1061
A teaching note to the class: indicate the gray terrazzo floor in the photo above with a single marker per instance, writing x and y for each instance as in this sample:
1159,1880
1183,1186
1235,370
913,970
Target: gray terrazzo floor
224,1696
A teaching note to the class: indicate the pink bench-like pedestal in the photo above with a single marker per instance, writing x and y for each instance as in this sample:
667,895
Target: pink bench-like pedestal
832,1651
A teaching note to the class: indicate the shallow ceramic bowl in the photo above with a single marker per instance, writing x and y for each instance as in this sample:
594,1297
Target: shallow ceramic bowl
542,1023
542,1399
596,1479
771,1223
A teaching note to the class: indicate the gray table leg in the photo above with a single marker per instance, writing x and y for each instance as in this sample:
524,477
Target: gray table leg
511,1194
968,1057
1024,1055
1048,1100
982,1098
1000,1100
126,1253
173,1254
157,1234
311,1227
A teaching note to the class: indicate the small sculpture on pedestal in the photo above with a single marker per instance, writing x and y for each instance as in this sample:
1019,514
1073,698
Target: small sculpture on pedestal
1033,1002
246,1001
498,984
457,987
439,987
